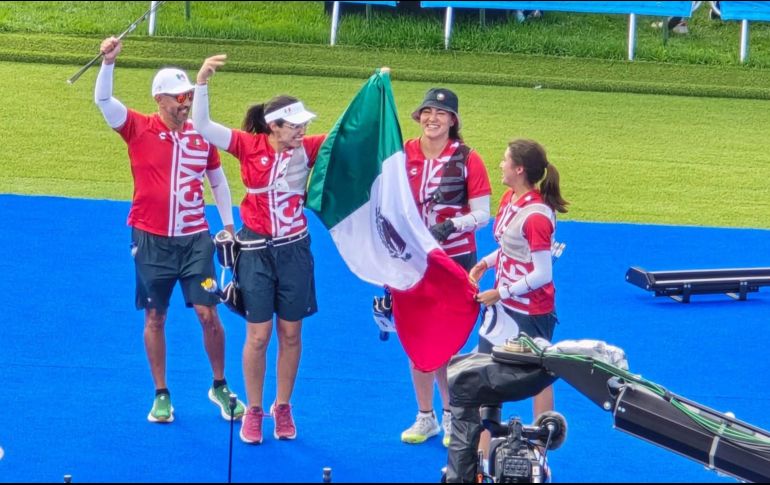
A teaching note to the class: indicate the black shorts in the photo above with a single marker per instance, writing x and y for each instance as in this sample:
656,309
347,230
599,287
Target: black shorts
161,261
277,279
533,325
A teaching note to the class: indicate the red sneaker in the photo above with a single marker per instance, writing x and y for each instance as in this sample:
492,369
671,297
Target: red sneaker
284,423
251,426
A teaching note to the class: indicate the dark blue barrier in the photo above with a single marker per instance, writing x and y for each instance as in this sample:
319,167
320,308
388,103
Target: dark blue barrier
632,9
336,15
387,4
663,9
740,10
745,11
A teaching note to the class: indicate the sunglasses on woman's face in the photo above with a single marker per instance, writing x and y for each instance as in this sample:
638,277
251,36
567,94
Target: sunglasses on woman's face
180,98
295,127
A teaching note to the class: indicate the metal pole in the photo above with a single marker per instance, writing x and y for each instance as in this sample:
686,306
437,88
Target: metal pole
335,21
153,7
744,40
447,27
187,10
632,35
233,402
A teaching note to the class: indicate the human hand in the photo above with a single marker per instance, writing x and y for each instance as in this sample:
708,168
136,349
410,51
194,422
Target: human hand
488,298
477,272
231,229
110,49
209,67
443,230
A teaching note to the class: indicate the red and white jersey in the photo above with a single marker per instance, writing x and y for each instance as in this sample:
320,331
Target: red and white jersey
275,183
168,169
521,228
425,176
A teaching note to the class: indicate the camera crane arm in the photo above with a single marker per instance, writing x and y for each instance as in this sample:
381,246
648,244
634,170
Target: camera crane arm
652,413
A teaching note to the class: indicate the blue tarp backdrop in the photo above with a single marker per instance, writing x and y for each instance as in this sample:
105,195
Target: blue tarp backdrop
674,9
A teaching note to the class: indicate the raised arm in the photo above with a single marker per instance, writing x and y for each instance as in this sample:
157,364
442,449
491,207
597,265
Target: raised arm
114,112
215,133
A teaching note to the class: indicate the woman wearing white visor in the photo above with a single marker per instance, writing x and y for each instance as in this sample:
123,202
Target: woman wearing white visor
275,266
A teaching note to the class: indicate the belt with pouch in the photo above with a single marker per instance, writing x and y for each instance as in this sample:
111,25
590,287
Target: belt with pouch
263,243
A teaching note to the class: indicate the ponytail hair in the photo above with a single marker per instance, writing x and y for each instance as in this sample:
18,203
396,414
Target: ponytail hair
254,121
454,130
531,155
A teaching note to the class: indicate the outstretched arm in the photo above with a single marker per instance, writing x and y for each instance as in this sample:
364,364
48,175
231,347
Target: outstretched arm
114,112
215,133
488,261
541,274
477,218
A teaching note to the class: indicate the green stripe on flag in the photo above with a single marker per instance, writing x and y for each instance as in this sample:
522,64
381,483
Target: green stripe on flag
350,160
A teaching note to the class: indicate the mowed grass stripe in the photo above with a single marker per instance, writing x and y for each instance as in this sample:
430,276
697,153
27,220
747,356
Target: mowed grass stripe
453,67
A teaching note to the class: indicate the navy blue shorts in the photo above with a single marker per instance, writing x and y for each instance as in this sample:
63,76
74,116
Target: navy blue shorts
277,279
467,261
161,261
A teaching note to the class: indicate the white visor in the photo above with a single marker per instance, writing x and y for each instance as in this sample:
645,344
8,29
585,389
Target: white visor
293,113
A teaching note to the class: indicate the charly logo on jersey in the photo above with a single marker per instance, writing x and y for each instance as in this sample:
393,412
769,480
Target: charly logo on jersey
413,172
264,160
391,239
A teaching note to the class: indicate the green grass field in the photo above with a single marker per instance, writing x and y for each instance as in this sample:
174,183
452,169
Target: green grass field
556,34
623,157
629,144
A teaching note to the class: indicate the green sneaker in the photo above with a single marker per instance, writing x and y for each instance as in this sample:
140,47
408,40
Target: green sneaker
162,411
221,397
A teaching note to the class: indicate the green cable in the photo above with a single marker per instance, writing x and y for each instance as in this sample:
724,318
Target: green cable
717,428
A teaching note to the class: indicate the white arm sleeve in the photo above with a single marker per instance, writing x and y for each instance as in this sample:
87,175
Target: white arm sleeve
542,274
221,191
491,258
113,110
476,218
213,132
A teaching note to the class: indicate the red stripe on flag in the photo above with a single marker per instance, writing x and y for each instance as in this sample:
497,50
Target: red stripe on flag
435,317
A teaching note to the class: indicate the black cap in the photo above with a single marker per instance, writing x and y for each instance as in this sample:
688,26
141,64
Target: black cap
439,98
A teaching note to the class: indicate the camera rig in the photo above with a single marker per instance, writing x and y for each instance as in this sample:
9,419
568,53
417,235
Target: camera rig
650,412
517,453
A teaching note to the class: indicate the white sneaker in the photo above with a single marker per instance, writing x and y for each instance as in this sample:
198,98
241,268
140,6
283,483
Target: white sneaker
680,29
424,427
446,424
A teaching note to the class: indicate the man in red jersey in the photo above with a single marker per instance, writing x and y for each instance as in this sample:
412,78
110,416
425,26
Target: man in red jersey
170,234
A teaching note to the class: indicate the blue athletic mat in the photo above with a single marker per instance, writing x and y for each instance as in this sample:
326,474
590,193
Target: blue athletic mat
77,386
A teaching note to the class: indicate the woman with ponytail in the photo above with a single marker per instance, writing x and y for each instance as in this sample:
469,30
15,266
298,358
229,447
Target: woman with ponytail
275,266
523,297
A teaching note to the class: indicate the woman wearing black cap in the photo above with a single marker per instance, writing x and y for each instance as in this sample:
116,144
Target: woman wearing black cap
451,187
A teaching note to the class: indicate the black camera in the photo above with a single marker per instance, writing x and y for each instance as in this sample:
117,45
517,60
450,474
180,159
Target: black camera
517,453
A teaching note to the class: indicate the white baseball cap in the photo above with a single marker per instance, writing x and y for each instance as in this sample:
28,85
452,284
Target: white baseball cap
294,113
171,81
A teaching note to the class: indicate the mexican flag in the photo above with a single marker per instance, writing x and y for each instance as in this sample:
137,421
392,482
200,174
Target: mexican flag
360,191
